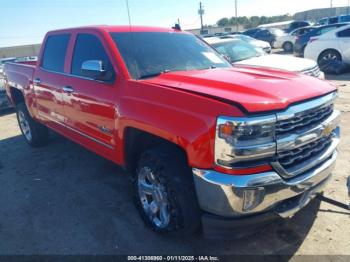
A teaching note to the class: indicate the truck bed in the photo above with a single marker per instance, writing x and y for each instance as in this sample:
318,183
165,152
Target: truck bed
19,75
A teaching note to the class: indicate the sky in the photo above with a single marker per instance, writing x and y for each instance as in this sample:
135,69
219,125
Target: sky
27,21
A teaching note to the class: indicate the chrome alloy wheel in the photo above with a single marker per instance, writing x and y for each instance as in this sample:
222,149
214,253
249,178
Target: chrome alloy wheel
330,57
153,198
24,124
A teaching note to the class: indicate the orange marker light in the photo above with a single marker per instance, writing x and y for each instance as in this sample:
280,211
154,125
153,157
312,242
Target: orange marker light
227,129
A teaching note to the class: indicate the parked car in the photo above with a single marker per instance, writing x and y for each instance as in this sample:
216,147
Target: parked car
334,20
286,26
257,43
301,41
207,144
242,53
334,45
297,24
287,41
268,35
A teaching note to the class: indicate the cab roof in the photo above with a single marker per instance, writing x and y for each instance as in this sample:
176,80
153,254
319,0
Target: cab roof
119,28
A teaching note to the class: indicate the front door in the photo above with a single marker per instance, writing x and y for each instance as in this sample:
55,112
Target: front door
89,103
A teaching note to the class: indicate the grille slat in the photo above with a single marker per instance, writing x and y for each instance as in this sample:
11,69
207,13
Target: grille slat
303,120
315,71
303,153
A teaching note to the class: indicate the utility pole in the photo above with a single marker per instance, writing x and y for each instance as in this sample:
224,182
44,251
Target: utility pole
201,13
236,16
331,3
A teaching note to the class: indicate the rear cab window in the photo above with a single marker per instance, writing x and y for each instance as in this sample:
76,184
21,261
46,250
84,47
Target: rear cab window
55,52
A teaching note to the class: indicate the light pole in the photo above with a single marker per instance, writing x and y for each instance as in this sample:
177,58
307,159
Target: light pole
201,13
236,16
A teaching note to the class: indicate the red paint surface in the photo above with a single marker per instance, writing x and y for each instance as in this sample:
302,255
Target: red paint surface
181,107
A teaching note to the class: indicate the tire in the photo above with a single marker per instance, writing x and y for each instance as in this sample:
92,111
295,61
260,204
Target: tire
163,174
287,47
329,55
35,134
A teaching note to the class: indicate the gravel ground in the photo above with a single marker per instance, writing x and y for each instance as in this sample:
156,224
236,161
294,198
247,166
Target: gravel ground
63,199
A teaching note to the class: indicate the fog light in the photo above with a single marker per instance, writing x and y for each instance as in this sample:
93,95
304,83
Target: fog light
253,198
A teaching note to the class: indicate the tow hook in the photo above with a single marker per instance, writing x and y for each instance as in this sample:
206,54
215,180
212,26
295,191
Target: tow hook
334,202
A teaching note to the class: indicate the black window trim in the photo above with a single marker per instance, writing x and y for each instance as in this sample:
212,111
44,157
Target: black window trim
343,31
43,54
89,78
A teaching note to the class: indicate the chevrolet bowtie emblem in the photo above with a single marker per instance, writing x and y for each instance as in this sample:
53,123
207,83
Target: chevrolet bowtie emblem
327,130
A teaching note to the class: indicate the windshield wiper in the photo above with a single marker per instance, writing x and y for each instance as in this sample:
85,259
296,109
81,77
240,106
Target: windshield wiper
154,74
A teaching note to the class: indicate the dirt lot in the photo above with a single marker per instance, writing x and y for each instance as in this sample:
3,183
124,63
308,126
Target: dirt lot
62,199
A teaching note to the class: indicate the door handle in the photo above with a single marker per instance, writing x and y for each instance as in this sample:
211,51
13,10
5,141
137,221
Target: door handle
37,81
68,89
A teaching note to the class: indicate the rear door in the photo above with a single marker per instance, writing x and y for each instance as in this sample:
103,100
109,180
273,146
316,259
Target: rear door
344,42
49,79
89,103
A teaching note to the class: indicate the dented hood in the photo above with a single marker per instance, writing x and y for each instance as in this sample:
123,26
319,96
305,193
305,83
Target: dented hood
255,89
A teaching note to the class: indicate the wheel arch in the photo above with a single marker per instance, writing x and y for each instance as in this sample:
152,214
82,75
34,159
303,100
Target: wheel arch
137,141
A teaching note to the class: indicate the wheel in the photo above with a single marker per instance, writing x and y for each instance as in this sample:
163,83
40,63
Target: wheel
34,133
329,55
288,47
272,44
165,194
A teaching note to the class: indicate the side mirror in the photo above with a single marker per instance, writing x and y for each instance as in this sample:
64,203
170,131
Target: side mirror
93,69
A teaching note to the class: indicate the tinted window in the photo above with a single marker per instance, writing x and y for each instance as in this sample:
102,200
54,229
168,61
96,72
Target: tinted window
55,52
89,47
345,18
148,54
344,33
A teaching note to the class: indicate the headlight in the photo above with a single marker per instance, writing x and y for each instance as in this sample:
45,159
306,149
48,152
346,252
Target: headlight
240,140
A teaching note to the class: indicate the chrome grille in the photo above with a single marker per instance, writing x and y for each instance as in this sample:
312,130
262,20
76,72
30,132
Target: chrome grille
304,120
315,71
301,154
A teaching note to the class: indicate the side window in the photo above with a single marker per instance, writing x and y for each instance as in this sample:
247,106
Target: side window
55,52
89,47
344,33
327,29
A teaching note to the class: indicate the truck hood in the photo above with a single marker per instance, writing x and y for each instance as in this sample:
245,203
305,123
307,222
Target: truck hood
288,63
255,89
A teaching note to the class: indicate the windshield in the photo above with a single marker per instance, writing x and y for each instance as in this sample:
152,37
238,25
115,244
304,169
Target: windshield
238,50
247,38
148,54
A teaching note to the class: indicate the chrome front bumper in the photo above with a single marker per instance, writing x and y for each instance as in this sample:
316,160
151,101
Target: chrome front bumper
237,196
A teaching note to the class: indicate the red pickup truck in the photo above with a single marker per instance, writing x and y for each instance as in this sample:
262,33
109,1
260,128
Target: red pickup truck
208,145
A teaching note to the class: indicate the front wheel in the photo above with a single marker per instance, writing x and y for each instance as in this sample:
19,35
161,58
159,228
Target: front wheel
328,56
164,192
34,133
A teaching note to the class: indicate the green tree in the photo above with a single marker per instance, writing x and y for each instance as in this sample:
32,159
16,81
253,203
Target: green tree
223,22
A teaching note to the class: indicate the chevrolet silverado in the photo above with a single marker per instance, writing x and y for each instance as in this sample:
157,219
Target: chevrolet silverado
208,145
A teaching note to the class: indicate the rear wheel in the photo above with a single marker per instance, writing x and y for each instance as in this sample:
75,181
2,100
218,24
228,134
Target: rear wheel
34,133
288,47
164,192
329,55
